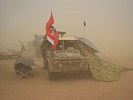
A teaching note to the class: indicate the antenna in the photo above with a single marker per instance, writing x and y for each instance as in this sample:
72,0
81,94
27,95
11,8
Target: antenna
84,24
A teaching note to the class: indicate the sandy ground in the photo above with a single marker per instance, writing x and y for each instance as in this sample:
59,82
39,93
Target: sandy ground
74,87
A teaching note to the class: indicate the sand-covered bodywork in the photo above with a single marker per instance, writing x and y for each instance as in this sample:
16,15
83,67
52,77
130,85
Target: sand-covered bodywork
68,56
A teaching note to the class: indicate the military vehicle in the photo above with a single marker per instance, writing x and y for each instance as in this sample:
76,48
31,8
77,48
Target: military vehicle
67,57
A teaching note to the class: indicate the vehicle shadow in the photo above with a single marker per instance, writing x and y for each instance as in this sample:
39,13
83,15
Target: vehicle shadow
70,76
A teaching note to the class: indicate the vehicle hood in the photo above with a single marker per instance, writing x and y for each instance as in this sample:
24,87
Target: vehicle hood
70,55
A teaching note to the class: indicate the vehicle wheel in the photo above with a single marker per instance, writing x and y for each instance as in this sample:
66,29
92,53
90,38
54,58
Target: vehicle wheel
89,71
50,75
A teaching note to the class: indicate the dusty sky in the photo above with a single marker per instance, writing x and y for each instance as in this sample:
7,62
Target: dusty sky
109,22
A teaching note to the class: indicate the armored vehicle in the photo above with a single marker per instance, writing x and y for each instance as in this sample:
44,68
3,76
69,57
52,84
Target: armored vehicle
67,57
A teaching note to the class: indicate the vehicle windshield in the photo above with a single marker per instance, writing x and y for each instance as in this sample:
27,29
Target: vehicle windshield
66,44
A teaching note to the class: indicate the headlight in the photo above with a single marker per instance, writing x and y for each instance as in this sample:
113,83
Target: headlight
61,66
83,63
55,63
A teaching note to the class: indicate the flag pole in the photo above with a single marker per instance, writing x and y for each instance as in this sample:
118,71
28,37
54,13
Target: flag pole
84,24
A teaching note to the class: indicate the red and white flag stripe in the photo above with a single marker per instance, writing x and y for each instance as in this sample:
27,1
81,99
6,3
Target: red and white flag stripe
51,33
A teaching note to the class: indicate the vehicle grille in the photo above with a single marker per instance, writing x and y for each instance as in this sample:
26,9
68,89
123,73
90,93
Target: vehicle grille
69,61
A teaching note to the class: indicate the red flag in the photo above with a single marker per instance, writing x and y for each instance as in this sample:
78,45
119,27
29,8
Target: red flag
52,34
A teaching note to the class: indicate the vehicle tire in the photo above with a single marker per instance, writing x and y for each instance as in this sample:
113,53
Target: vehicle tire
50,75
89,71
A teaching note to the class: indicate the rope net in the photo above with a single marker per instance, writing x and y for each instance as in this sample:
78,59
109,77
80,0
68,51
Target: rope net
102,70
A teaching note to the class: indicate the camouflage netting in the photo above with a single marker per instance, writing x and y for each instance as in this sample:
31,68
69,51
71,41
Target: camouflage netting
103,70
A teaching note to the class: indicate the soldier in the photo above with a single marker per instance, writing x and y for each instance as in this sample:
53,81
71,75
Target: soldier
44,50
